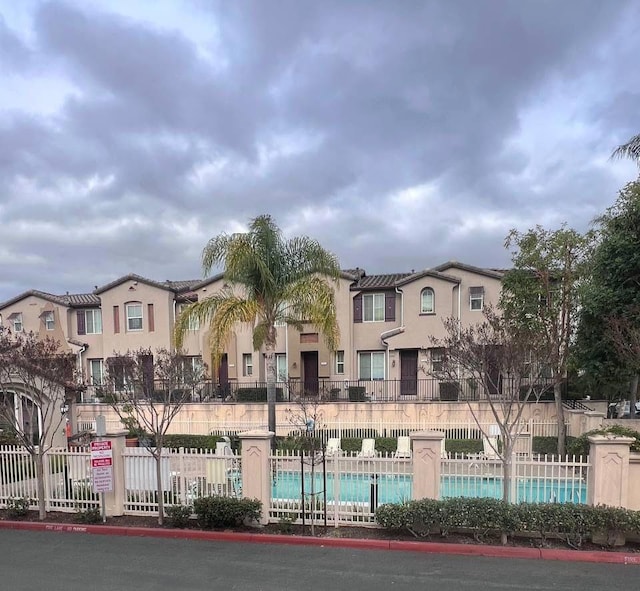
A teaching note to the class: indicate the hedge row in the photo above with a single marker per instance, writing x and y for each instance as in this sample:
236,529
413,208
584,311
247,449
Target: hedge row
215,512
571,522
256,395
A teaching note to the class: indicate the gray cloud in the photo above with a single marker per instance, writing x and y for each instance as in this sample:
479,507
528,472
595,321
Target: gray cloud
399,134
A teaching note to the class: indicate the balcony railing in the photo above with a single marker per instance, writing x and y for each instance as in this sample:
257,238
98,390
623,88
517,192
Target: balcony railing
428,389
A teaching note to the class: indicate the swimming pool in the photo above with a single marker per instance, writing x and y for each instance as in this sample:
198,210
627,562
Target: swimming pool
359,488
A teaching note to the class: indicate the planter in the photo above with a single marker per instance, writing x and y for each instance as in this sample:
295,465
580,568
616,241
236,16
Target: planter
131,442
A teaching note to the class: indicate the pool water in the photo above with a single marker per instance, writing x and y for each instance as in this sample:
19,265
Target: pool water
360,488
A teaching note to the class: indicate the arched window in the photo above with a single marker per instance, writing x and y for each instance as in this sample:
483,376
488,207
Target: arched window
427,301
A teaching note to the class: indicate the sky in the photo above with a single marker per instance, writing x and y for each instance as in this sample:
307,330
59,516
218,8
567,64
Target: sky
398,134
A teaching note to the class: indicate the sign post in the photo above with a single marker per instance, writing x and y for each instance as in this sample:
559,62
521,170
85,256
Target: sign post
101,465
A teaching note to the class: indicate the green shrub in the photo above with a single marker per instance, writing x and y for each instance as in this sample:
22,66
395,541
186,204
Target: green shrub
217,512
580,445
257,395
90,515
572,522
18,508
178,515
386,444
463,446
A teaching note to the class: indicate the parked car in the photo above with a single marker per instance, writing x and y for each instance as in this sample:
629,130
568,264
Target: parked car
621,410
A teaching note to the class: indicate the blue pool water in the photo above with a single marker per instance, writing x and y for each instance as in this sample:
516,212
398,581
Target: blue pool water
359,488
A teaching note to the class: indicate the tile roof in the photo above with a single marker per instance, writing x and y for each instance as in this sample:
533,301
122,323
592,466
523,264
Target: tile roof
378,281
81,299
175,286
464,267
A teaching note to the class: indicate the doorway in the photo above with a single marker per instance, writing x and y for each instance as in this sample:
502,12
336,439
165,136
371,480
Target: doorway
310,372
409,372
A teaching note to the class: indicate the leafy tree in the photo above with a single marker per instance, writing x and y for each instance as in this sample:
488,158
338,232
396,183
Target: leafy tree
541,292
270,280
613,292
148,390
505,361
37,371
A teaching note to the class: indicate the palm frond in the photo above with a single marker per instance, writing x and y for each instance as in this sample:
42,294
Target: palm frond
305,256
230,310
312,300
630,149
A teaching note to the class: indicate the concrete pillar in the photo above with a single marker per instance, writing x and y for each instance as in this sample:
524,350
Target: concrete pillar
592,420
608,482
426,459
114,500
256,475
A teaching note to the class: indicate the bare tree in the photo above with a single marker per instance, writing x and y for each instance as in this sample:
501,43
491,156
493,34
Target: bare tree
505,363
148,392
35,379
306,417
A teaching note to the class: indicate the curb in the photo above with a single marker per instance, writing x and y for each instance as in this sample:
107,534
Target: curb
352,543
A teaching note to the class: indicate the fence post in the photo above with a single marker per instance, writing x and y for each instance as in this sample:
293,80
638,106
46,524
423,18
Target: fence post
608,482
115,500
426,464
592,419
256,473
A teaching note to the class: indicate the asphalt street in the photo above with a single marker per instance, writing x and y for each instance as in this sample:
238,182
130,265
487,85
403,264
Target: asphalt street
80,562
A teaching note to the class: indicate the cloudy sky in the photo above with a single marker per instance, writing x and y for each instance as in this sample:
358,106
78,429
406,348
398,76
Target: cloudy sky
400,134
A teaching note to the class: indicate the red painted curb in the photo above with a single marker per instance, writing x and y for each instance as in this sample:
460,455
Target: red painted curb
353,543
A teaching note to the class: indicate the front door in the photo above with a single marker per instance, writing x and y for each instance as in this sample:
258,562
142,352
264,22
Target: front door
310,372
223,377
409,372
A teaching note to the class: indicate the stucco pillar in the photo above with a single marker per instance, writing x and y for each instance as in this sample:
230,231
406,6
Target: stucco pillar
608,482
256,476
592,419
426,459
114,500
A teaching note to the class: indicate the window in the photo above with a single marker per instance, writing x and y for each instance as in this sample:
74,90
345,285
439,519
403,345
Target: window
17,322
89,322
340,362
194,323
427,301
96,372
371,365
49,320
373,307
192,368
134,316
247,364
282,373
437,359
476,298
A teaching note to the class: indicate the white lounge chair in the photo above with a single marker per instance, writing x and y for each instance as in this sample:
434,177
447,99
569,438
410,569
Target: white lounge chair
443,450
333,447
368,448
490,447
404,447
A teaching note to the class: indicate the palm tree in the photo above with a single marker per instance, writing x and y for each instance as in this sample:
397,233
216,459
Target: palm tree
267,280
630,149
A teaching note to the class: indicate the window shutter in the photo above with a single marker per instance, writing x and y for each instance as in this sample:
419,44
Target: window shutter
357,308
390,307
151,319
82,329
116,319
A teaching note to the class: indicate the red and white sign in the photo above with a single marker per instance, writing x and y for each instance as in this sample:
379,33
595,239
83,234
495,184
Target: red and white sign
102,466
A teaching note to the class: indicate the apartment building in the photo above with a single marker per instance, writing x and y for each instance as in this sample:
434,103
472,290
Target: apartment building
387,326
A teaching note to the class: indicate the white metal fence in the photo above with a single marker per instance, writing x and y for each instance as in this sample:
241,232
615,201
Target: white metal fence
534,480
348,489
67,478
186,474
344,429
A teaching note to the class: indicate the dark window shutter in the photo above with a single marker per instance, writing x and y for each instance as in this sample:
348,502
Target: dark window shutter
390,307
357,308
81,325
116,319
150,316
